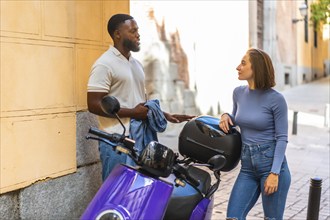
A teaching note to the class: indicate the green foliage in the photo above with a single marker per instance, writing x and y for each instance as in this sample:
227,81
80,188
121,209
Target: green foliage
320,13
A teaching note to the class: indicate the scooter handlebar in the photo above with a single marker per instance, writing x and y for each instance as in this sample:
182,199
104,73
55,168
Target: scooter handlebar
179,170
182,172
116,138
110,137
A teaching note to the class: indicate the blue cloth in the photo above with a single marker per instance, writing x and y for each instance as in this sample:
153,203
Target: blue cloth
144,131
262,116
256,161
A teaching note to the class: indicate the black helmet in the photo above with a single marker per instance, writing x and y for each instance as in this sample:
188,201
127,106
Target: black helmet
201,138
157,159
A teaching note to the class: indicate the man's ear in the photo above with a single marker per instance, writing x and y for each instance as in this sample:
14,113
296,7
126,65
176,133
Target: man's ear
117,34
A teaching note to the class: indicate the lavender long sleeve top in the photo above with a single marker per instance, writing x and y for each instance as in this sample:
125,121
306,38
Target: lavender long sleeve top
262,116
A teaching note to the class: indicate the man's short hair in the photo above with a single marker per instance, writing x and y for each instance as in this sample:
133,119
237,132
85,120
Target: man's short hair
115,21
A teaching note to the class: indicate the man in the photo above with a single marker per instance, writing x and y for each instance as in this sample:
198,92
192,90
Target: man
118,74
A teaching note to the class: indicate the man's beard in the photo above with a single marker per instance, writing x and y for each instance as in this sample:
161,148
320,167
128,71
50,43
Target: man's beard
131,45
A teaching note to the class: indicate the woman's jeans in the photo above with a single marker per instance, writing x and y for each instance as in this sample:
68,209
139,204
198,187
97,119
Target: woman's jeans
256,163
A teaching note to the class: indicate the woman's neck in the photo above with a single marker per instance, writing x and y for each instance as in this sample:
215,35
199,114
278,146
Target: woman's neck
251,85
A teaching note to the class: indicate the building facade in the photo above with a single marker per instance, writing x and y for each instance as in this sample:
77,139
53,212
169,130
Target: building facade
300,53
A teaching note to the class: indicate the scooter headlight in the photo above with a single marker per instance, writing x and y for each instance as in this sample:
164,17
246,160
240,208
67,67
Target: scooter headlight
110,214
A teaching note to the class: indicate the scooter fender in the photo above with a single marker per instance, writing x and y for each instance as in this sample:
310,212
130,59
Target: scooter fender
128,194
203,211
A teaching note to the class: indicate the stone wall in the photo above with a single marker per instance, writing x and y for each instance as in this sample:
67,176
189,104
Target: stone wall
65,197
166,70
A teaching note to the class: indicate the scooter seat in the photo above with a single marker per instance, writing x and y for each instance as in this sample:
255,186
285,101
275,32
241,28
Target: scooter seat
184,199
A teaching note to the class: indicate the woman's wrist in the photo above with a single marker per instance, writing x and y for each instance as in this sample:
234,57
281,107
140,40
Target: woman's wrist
223,114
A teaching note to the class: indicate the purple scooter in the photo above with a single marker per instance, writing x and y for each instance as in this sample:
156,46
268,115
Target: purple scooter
164,184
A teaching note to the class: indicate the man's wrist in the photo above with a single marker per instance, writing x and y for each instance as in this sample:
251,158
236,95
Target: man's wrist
166,115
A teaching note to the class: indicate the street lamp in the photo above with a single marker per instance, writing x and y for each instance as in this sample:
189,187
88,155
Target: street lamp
303,12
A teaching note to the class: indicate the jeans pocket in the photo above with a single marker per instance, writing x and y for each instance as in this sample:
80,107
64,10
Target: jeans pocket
268,151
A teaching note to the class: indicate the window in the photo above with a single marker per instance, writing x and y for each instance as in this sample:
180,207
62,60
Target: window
306,25
286,79
315,36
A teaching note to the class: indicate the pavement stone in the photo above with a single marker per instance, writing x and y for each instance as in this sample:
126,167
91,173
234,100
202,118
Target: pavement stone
307,155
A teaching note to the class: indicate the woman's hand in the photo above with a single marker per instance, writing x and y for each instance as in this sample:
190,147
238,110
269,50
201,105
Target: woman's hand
225,123
271,184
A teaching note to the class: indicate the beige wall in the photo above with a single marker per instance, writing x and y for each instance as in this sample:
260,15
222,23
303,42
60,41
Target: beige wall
295,56
47,49
310,60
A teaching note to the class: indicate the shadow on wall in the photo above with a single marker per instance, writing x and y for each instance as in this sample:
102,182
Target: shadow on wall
166,70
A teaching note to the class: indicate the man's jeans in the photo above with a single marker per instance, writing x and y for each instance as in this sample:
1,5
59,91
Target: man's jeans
109,159
256,163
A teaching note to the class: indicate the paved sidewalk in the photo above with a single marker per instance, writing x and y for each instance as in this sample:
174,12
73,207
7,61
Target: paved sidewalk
308,157
307,154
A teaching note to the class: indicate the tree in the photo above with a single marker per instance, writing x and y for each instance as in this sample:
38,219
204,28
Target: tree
320,13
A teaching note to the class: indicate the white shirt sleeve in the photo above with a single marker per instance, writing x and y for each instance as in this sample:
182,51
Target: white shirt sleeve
100,79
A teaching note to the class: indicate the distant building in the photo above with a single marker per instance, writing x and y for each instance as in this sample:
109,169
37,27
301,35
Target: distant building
299,52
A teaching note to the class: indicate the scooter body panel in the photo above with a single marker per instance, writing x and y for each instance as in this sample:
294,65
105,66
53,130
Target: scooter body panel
203,211
131,194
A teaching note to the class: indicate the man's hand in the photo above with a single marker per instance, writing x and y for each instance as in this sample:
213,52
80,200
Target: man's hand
177,118
140,112
271,184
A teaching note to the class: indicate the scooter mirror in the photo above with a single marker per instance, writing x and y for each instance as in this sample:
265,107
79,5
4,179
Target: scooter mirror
217,162
110,105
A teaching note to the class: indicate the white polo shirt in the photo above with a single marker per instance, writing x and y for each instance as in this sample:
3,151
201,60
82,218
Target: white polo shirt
121,78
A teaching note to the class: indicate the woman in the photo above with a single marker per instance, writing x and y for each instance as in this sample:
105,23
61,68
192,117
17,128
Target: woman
262,115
